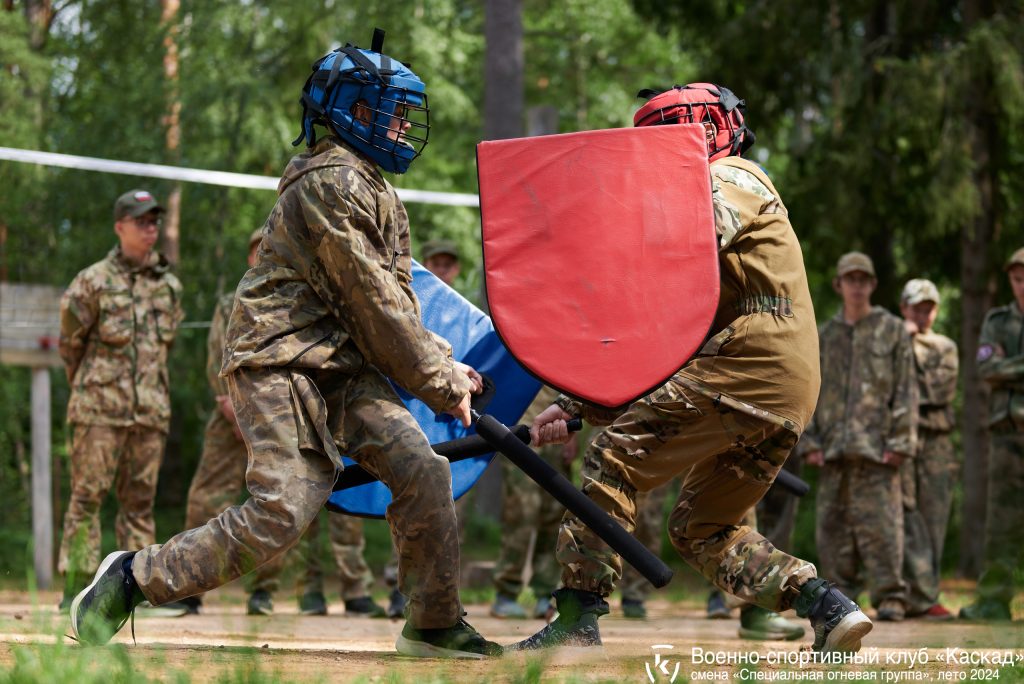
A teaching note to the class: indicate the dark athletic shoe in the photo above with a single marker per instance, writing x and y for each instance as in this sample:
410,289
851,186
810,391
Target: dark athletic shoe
839,624
364,606
631,608
101,609
193,604
396,604
717,610
313,603
576,624
458,641
260,603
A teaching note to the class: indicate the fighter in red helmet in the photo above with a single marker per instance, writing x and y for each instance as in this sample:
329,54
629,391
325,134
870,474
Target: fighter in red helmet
725,422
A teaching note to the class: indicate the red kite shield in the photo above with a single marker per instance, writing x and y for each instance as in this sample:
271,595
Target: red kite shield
600,255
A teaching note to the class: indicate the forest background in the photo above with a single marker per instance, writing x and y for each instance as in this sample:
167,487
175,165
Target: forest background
892,127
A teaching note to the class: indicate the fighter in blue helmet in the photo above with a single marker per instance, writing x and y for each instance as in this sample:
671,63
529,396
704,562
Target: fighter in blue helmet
321,321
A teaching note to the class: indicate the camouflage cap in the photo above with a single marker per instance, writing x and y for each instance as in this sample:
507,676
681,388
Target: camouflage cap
135,203
256,236
919,290
435,247
1016,259
855,261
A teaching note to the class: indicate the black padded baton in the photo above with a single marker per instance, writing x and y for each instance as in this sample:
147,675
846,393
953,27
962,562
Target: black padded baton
589,513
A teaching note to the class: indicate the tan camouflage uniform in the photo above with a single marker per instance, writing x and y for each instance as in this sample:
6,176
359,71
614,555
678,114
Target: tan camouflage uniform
725,422
867,406
118,321
1001,365
325,315
220,479
929,479
526,511
650,525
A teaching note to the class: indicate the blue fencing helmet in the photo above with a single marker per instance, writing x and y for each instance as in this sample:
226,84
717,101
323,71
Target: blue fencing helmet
374,103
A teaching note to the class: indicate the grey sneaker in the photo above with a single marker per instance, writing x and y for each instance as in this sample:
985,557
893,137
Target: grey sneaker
576,624
544,610
506,607
839,624
458,641
891,610
101,609
260,603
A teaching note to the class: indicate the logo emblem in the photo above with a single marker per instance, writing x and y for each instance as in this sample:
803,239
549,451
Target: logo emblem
658,670
143,196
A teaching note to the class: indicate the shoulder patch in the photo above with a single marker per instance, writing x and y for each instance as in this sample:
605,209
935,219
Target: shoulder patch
985,352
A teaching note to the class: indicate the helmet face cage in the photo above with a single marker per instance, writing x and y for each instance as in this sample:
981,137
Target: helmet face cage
723,116
374,103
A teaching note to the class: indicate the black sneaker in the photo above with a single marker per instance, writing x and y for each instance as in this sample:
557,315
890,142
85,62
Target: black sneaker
101,609
636,610
396,604
363,606
192,604
459,641
839,624
313,603
260,603
576,624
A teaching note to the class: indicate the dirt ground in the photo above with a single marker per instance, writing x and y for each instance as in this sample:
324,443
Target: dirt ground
225,644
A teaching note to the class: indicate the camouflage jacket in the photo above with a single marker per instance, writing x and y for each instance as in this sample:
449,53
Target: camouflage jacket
1001,365
215,344
868,400
118,321
761,355
332,285
937,363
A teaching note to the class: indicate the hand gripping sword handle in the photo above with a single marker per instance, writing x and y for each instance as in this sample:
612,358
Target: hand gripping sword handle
589,513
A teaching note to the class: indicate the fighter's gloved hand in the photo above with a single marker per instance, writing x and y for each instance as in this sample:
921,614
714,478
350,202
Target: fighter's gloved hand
549,427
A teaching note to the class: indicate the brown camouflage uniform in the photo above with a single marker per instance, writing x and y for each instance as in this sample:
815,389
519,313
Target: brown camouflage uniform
1001,366
118,320
220,479
868,405
725,422
650,525
320,323
526,510
929,479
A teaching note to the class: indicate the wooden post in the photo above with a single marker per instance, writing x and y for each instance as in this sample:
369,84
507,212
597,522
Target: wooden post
42,501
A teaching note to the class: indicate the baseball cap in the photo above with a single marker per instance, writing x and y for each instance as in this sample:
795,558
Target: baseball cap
1016,259
135,203
435,247
919,290
855,261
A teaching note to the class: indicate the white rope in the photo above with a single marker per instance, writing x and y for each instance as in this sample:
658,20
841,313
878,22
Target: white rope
233,180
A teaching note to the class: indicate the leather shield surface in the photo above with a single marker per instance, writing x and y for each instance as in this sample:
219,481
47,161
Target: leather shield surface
600,255
475,343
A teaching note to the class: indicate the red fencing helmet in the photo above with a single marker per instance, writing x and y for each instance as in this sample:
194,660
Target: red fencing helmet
704,103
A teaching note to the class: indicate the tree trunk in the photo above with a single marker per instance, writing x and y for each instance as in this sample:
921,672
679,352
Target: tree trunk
978,287
40,16
172,123
503,118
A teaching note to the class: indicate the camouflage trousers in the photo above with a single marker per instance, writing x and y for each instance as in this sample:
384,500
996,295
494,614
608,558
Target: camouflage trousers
528,513
219,481
294,423
1005,517
860,522
127,459
727,459
928,483
650,526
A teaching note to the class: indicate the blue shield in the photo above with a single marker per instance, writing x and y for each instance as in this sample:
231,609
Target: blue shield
474,342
